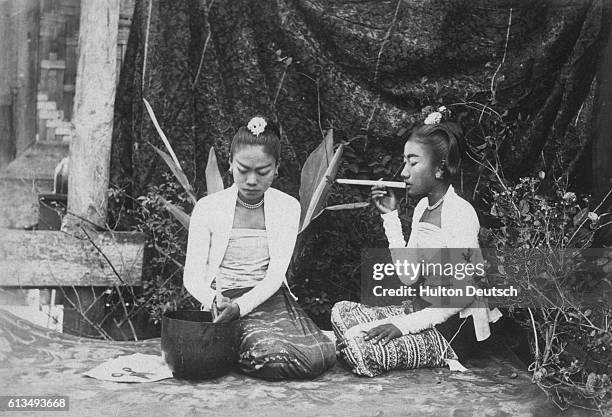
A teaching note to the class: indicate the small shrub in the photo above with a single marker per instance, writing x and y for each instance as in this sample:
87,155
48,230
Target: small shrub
540,233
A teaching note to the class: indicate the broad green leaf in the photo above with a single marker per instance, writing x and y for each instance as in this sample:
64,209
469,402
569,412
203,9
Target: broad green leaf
171,159
214,181
161,132
178,213
314,170
314,206
177,171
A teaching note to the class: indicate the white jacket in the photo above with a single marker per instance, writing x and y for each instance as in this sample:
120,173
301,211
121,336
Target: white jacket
460,227
209,230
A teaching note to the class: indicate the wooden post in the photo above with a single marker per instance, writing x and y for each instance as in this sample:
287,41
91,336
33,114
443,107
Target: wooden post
25,20
19,31
90,146
93,113
7,68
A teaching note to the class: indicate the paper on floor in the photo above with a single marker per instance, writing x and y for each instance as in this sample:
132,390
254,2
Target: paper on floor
455,365
132,368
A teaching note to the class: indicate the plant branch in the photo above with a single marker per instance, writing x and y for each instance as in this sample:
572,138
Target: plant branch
493,88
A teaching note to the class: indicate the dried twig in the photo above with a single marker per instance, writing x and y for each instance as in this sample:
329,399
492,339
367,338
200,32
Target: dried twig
104,256
316,83
80,311
535,337
117,275
146,47
493,88
378,59
127,315
208,35
385,40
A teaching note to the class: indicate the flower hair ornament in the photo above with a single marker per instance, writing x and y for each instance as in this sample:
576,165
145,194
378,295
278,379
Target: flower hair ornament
435,117
257,125
441,117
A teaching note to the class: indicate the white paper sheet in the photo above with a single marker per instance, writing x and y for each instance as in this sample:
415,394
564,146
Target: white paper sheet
132,368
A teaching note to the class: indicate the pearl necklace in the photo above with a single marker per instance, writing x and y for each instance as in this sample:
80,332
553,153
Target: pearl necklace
250,206
436,205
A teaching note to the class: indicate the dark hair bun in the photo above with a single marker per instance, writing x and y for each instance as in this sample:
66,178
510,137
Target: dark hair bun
444,139
259,131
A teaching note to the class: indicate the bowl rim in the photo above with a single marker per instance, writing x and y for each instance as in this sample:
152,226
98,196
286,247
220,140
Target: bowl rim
165,317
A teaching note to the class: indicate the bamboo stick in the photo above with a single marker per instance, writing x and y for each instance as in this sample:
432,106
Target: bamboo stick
390,184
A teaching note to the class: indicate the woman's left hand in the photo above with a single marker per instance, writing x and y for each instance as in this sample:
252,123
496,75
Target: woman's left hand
228,311
383,333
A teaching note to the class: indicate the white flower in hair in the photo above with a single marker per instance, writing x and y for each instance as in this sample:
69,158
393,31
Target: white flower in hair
433,118
257,125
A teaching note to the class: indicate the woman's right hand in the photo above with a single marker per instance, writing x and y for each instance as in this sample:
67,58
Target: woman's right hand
214,308
384,199
227,310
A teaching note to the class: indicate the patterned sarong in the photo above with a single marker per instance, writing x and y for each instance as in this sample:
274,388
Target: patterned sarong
277,340
425,349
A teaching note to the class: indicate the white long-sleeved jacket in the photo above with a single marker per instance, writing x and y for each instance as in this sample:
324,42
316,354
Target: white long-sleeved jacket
209,230
460,226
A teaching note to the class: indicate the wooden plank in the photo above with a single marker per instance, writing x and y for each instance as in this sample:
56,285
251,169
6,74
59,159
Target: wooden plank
43,81
68,100
7,143
44,39
49,132
53,259
71,62
53,85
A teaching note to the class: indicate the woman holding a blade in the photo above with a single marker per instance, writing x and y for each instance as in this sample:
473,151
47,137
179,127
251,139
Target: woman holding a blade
239,247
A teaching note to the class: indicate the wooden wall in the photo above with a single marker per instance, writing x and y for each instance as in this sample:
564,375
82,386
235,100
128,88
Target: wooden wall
19,21
59,38
38,51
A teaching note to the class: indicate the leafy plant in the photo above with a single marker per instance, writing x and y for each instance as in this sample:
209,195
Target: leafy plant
316,177
165,247
542,234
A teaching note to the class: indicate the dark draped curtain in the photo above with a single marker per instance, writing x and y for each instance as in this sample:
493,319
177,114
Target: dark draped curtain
365,68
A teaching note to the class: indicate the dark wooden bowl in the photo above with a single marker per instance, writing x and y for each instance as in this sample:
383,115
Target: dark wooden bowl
194,347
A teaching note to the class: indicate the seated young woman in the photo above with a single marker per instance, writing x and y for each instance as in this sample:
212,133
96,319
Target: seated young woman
242,238
373,340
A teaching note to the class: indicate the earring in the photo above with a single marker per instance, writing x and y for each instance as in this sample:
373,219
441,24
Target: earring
438,175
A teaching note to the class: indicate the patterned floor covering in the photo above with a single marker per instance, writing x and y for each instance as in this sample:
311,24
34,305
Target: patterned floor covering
34,361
